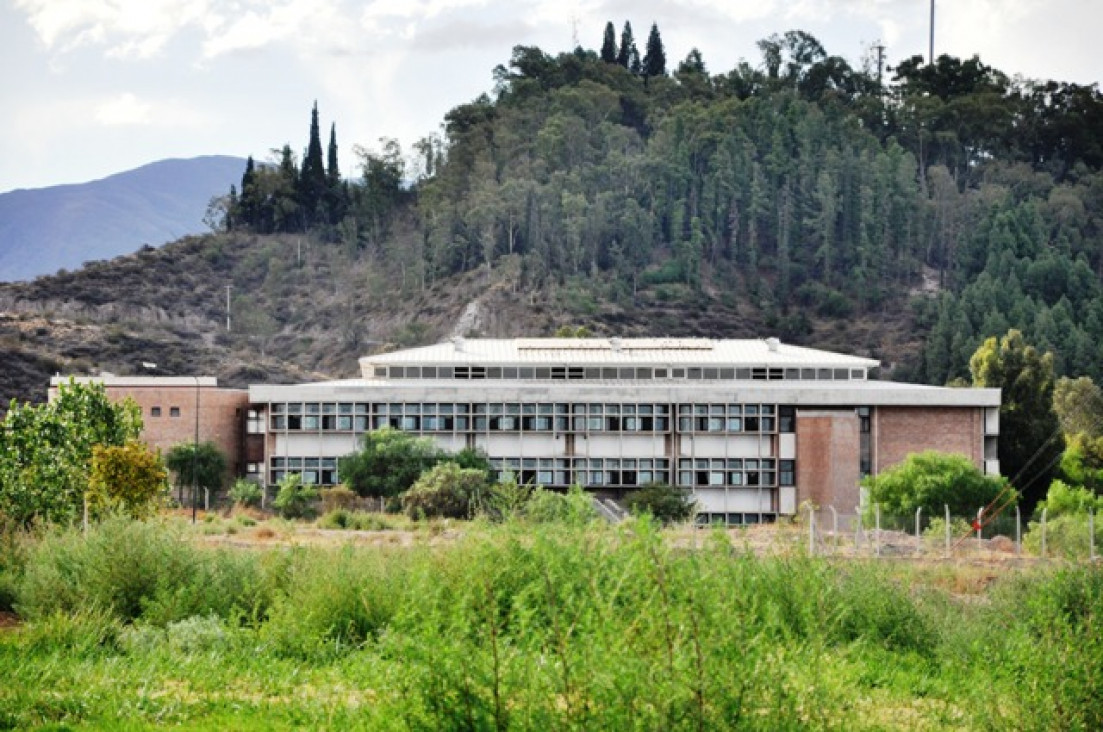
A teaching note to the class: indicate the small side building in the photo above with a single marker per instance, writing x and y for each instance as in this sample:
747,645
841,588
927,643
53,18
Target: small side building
177,408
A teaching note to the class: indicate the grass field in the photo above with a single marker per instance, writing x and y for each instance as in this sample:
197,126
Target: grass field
522,626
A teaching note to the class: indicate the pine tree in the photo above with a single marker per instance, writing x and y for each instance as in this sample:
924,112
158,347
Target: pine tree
627,46
609,44
312,178
654,60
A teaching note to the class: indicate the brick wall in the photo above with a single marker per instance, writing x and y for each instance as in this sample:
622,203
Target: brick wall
827,458
900,431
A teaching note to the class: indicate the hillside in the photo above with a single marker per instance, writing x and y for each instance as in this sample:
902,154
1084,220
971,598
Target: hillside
802,199
61,227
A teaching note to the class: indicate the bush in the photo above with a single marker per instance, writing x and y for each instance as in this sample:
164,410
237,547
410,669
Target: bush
295,500
245,492
1066,536
133,570
933,480
575,507
446,491
338,497
665,503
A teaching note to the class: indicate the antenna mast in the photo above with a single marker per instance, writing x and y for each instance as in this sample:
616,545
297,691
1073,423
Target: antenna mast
930,48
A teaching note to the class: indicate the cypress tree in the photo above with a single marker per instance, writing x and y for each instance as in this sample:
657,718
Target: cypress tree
247,205
627,46
312,177
609,44
654,60
335,193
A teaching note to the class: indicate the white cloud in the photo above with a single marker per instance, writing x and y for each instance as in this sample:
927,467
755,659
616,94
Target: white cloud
125,109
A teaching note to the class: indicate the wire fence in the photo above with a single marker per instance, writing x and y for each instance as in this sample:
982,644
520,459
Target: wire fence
872,533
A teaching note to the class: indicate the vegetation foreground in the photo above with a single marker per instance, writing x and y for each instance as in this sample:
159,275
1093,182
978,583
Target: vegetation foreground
523,626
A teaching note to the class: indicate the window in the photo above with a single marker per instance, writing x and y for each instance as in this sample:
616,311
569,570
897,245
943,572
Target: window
174,411
154,411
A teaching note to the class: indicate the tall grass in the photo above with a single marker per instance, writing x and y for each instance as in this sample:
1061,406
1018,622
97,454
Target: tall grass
538,626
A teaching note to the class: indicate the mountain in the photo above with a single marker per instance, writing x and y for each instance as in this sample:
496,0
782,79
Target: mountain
43,230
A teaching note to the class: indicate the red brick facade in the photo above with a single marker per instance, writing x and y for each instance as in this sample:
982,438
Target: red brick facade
827,457
901,431
168,413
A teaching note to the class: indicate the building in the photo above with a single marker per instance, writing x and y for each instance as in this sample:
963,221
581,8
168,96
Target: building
752,427
178,409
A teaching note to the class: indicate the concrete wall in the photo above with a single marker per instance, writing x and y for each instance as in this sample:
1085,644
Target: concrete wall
827,458
900,431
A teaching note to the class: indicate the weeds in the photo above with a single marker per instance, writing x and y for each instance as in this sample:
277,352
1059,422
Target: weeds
528,625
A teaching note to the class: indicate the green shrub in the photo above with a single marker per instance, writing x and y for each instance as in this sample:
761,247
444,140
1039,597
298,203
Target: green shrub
1066,536
337,518
137,570
665,503
446,491
295,500
574,507
245,492
933,480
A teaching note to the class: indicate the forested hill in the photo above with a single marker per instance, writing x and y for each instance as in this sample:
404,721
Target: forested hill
795,190
906,218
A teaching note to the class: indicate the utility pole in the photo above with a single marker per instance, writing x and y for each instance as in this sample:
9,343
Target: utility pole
930,48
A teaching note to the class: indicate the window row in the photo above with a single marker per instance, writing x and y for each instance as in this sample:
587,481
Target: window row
589,472
721,472
315,471
620,373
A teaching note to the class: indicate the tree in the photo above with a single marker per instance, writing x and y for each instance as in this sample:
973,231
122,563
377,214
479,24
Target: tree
202,466
388,463
129,478
931,480
312,177
627,47
1079,406
609,44
654,58
1030,440
46,450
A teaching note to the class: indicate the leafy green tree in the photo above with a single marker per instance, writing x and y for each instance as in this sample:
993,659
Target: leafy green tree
46,450
388,463
654,58
609,44
129,478
202,466
931,480
666,503
1079,406
245,492
446,491
1030,442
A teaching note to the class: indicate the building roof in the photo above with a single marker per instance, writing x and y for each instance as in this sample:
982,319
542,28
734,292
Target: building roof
617,351
137,381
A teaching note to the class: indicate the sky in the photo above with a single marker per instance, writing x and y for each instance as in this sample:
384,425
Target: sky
95,87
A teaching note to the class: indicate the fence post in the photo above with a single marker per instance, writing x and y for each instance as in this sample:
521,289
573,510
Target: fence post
980,523
811,531
1018,531
207,499
858,528
835,527
918,536
1091,534
1044,512
877,531
948,532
